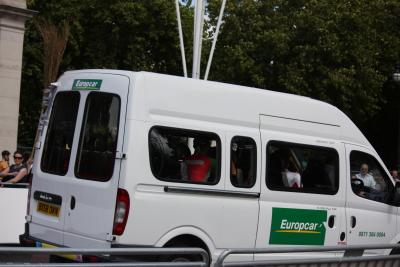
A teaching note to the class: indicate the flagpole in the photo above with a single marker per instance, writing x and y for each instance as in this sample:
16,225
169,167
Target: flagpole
197,38
221,13
178,15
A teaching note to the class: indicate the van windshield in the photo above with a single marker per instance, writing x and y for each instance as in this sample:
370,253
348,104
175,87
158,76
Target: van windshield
60,134
99,135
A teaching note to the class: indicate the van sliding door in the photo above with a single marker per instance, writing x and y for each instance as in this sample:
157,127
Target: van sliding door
302,193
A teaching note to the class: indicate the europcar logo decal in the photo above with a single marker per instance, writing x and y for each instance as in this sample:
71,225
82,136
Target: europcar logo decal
86,84
298,226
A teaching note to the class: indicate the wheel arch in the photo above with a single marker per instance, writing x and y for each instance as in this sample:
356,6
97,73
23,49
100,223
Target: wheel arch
193,237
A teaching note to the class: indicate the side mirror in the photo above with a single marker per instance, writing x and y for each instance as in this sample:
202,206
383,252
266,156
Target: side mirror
395,198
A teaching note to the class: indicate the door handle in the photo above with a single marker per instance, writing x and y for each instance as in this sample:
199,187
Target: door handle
353,221
72,203
331,221
342,236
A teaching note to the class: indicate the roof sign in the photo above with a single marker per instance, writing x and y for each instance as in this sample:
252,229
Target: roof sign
86,84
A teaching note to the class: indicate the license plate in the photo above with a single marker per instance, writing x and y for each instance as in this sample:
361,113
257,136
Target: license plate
48,209
77,258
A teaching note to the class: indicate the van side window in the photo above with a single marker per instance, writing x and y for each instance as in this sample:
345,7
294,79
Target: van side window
302,168
99,135
368,178
179,155
60,134
243,161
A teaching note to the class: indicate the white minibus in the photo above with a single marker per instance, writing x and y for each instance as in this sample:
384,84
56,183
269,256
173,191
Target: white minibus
138,159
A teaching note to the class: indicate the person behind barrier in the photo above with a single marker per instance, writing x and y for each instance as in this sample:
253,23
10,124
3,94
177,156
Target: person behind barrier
199,164
5,161
16,173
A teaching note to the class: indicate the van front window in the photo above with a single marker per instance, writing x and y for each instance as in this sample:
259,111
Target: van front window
99,135
60,134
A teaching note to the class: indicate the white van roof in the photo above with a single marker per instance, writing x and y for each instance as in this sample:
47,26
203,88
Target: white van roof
161,96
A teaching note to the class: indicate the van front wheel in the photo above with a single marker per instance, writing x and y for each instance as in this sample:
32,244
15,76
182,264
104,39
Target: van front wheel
395,251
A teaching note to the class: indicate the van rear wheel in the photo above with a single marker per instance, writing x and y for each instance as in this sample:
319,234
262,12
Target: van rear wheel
179,257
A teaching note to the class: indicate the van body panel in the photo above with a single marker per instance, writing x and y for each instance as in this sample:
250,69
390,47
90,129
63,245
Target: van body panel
203,99
152,205
235,235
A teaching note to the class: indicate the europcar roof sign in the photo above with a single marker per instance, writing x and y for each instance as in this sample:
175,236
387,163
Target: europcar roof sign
86,84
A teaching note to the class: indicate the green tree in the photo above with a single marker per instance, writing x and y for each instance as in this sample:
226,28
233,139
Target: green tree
342,52
118,34
338,51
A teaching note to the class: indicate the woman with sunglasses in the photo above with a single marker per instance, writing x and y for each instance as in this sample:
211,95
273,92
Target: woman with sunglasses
16,173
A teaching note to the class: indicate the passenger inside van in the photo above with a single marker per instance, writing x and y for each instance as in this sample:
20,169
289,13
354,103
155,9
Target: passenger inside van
181,152
243,157
199,164
281,160
319,174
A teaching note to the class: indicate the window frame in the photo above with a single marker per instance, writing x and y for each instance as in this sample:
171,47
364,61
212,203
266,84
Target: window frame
183,130
254,161
387,178
84,120
302,190
50,124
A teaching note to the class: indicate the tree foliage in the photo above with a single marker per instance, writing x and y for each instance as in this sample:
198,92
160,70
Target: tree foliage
338,51
117,34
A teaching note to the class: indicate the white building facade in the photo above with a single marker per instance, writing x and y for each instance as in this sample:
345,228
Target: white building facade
13,14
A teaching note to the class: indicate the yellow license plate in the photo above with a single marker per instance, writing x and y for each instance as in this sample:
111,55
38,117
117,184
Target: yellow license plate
48,209
71,257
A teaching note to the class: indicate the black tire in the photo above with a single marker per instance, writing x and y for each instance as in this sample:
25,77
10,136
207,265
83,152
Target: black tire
179,257
395,251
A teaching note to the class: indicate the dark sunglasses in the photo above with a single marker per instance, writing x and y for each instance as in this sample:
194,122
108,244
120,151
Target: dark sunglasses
17,157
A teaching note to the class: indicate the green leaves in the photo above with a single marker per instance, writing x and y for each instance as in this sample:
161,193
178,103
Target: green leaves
339,51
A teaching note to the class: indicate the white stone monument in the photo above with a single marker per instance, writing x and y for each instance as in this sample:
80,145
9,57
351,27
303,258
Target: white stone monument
13,14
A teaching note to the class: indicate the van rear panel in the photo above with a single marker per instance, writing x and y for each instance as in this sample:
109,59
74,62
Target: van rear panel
77,168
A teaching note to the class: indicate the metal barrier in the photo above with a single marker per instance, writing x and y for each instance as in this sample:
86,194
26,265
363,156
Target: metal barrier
107,253
353,256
